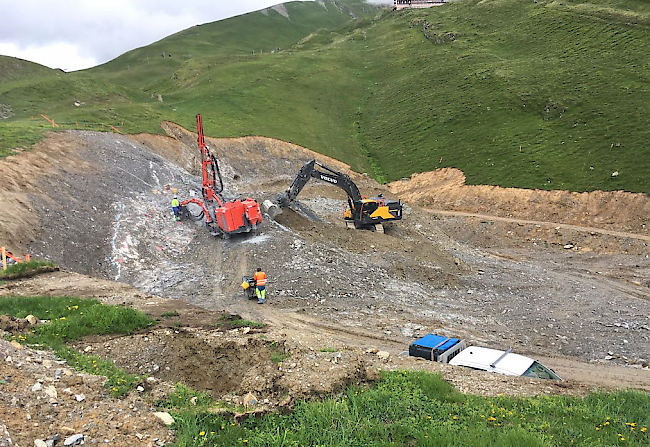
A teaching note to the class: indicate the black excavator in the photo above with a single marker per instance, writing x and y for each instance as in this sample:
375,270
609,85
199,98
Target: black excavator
362,213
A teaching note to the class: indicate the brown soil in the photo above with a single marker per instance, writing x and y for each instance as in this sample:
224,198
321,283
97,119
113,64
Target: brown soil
558,276
615,212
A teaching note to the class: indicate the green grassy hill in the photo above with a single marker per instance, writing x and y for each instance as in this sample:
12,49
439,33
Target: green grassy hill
255,33
515,93
546,94
13,69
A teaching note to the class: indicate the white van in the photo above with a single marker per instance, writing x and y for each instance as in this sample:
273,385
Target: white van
502,362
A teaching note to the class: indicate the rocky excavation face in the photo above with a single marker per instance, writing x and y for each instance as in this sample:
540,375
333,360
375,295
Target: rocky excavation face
336,298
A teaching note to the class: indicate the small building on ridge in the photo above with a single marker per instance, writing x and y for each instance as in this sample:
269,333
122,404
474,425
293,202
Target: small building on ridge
413,4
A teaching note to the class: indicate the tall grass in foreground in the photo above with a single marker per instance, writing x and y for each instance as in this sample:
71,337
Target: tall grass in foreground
420,409
72,319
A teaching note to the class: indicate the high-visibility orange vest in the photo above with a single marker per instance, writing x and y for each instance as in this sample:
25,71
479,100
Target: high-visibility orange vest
260,278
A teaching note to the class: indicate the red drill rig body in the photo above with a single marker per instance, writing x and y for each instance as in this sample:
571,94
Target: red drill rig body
223,217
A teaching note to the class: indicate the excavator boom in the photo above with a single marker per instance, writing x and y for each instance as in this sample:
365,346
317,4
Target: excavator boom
326,174
364,213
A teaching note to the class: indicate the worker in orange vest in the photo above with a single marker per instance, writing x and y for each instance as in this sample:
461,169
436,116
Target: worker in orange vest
260,286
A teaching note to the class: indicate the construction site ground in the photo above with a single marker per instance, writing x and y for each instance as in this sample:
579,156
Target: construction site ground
562,277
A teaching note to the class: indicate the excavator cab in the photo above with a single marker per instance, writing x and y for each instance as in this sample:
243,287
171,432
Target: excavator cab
369,206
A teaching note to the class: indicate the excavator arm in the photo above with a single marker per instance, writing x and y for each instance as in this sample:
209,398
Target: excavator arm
362,212
313,169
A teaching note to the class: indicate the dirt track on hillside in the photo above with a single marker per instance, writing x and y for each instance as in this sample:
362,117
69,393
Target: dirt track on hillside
498,267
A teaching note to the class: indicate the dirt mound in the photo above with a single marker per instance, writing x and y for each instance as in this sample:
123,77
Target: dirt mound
41,398
210,361
445,189
13,324
21,182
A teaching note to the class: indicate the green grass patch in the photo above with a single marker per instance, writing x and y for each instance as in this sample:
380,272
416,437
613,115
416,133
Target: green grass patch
185,398
25,269
119,381
279,356
417,408
73,319
227,322
20,135
170,314
278,352
44,308
93,320
328,349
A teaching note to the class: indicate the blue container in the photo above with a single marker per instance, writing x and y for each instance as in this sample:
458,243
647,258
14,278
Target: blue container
433,346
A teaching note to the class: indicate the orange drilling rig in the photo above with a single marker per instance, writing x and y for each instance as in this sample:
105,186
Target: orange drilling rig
223,217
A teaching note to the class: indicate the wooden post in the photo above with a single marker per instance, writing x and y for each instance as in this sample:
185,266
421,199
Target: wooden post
51,121
27,258
4,258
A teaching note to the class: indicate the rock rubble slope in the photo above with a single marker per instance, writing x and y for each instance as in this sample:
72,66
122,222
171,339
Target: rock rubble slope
342,304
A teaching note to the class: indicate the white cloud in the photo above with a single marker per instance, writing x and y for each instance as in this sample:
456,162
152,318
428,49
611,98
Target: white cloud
76,34
50,55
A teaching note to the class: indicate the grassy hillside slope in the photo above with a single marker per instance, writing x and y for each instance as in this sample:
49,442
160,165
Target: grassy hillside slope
208,69
13,69
551,95
546,94
255,33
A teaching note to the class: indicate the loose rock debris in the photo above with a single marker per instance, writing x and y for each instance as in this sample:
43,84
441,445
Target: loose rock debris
336,298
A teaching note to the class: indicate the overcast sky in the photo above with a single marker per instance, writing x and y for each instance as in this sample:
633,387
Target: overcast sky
76,34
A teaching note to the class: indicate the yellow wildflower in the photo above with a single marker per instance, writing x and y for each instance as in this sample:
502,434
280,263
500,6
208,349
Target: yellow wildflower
202,433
